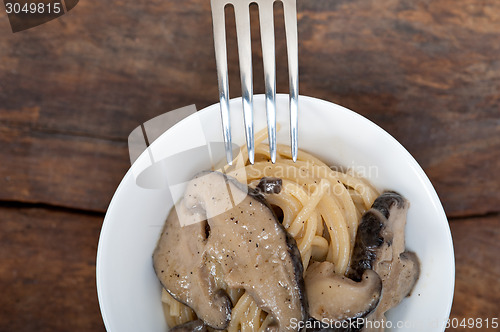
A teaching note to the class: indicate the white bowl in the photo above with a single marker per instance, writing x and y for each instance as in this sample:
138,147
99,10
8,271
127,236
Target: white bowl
127,287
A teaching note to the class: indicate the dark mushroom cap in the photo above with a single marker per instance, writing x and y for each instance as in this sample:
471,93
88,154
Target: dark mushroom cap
380,246
270,185
191,326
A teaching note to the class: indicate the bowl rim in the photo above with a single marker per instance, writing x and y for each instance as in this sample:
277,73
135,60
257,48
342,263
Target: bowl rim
414,164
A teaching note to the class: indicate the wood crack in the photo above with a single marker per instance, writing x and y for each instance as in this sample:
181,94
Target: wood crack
50,207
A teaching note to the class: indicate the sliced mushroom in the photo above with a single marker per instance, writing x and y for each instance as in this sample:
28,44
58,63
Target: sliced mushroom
380,245
191,326
183,270
270,185
337,298
244,240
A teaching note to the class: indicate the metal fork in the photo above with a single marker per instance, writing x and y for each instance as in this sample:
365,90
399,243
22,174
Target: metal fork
266,18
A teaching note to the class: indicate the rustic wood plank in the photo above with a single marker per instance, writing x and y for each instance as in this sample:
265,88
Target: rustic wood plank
104,68
62,170
426,71
47,275
477,282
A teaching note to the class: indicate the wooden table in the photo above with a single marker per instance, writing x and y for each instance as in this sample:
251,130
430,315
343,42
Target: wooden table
73,89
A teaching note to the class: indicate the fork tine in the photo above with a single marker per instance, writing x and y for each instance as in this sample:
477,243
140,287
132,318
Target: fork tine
219,26
242,15
266,18
290,10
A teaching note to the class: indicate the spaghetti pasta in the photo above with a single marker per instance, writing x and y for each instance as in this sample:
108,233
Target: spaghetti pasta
320,208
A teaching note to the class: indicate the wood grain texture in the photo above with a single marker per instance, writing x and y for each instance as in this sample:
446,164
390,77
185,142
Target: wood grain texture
47,271
426,71
59,169
477,284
